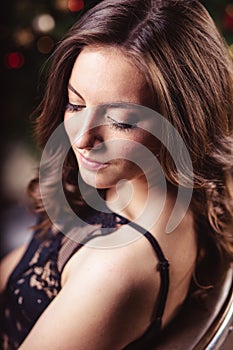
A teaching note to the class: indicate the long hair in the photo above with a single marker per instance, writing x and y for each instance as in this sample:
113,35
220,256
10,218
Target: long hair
185,61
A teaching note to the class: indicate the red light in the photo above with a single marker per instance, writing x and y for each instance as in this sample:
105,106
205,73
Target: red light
75,5
14,60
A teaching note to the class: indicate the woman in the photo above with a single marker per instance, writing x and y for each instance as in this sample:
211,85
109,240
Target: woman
126,76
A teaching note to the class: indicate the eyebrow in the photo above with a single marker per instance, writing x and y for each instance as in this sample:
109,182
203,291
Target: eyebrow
120,104
71,88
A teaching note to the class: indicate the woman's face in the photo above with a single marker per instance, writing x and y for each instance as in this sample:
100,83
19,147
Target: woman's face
106,140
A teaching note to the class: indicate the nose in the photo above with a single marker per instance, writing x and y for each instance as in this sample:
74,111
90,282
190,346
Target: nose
91,139
85,131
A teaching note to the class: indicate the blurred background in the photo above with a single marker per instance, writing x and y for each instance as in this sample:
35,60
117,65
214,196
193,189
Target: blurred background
29,31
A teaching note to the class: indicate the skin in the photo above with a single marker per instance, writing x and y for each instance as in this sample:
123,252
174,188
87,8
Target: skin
93,73
100,144
100,298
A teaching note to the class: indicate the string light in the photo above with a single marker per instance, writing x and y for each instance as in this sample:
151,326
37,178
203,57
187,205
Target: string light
14,60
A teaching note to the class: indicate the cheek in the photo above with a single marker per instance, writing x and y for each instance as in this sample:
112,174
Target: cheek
122,149
136,147
140,153
128,148
143,146
131,159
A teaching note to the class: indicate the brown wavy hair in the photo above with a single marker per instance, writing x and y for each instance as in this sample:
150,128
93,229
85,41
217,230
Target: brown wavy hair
185,60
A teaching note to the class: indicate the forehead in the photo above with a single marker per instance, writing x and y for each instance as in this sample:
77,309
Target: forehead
106,74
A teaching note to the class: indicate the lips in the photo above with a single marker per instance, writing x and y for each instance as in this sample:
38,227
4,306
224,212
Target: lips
91,164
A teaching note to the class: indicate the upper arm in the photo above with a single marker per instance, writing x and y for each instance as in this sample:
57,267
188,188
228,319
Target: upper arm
96,309
8,264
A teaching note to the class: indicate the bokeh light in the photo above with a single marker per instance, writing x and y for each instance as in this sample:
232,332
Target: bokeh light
229,10
43,23
14,60
45,44
228,18
61,5
23,37
75,5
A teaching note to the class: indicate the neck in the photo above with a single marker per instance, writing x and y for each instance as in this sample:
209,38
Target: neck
139,201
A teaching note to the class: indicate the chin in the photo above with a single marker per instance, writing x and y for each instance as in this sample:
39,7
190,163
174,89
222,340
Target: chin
98,181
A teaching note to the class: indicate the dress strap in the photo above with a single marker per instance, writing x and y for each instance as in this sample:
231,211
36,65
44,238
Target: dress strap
163,268
148,339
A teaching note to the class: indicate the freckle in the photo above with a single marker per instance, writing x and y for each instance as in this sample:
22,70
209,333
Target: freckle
16,291
20,300
38,301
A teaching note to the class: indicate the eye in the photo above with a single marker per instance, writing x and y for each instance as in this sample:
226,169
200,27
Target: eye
121,126
74,108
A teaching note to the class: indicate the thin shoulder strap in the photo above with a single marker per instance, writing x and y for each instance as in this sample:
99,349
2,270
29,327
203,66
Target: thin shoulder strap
163,268
149,338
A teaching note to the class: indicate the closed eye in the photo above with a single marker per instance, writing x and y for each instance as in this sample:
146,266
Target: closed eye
70,107
121,126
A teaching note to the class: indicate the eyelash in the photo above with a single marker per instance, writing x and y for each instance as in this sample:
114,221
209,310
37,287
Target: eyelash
114,124
122,126
74,108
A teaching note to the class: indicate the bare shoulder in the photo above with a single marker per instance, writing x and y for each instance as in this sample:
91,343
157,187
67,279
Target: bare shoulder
8,263
124,274
104,291
130,263
107,297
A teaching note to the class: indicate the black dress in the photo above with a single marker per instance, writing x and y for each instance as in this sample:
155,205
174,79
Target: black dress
37,280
